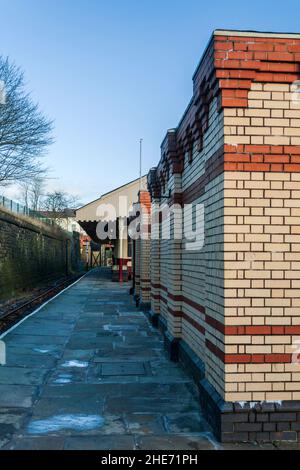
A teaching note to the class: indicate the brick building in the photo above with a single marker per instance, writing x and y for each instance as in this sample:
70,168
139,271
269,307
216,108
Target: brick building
230,309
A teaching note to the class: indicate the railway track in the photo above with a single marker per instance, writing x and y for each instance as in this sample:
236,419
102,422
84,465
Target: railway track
12,316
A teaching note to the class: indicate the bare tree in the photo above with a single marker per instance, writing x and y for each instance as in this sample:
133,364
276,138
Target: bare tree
60,206
24,193
36,192
58,201
24,131
31,192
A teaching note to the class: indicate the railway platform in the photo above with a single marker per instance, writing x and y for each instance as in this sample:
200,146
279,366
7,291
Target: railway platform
87,371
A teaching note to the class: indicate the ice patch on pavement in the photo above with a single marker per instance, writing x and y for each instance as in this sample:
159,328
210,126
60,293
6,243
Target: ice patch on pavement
78,422
75,363
63,379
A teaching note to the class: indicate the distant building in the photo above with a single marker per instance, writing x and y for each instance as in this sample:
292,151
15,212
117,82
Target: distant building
96,215
66,219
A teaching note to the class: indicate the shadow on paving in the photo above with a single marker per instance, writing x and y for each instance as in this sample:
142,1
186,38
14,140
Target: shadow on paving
89,372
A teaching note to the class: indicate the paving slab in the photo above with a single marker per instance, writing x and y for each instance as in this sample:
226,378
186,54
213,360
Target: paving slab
17,396
177,442
40,351
35,340
30,360
11,420
100,443
88,371
145,423
36,443
22,376
122,368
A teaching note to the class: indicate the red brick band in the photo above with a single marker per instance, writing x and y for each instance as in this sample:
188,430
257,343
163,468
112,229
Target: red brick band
262,158
232,331
248,358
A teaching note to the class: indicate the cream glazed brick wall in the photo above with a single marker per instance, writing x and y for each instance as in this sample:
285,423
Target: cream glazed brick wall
155,275
171,274
262,250
145,245
212,141
202,280
164,267
137,267
155,266
262,279
202,283
197,275
171,258
272,117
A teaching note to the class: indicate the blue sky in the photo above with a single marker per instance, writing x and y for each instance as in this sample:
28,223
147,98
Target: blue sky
110,72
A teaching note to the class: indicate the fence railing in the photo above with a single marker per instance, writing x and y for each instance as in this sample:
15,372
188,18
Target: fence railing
18,208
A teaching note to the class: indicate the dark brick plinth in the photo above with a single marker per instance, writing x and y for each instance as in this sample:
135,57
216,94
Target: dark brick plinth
235,422
144,306
162,324
153,318
248,422
171,346
191,362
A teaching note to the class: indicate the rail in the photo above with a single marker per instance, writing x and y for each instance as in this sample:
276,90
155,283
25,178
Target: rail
14,315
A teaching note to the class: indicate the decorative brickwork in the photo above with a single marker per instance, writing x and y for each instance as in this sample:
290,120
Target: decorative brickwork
234,303
142,247
145,246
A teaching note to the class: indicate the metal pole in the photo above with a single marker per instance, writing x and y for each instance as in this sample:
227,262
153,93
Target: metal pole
141,153
120,249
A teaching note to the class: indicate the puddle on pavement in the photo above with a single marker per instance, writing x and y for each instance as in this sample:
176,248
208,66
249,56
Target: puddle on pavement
75,363
77,422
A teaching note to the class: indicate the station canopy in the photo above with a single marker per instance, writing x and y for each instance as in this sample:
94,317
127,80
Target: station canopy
110,207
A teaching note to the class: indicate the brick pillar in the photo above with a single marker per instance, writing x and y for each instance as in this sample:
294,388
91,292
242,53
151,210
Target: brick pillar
233,305
145,243
261,240
155,264
173,281
137,270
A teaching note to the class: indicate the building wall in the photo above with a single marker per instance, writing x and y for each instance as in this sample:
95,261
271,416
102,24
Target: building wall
235,300
31,252
145,283
155,262
202,276
262,245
